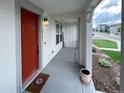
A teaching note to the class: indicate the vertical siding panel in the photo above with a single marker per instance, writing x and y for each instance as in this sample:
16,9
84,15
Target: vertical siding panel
70,35
7,46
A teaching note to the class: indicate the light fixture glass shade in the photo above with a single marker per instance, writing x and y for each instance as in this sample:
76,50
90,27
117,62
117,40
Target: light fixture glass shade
45,22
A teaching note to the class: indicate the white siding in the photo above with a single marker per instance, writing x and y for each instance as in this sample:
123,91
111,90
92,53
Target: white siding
49,37
7,47
114,29
70,35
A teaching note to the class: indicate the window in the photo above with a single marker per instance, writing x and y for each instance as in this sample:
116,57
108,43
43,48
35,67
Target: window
58,32
57,28
61,37
57,39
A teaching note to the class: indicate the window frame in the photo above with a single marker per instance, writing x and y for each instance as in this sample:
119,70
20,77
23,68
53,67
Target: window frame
59,32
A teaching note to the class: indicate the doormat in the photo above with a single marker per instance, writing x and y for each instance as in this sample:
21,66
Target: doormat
38,83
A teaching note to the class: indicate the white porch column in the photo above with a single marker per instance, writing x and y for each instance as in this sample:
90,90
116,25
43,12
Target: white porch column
82,40
89,46
85,53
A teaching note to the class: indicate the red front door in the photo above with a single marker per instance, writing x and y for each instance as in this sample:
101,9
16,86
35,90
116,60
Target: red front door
29,41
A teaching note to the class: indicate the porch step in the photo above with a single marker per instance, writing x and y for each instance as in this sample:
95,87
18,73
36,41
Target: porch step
99,91
26,91
89,88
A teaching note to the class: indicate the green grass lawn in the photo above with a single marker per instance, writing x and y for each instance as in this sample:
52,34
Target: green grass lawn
102,43
115,55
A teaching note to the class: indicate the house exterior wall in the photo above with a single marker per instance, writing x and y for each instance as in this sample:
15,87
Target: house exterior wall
7,46
114,29
70,34
102,28
50,49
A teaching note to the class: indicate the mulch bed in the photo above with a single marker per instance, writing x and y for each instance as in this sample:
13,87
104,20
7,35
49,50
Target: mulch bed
105,79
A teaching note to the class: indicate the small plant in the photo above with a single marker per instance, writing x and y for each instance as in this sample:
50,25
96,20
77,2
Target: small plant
118,61
103,62
82,66
94,50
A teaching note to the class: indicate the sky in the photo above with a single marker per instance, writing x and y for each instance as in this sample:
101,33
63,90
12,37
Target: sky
107,12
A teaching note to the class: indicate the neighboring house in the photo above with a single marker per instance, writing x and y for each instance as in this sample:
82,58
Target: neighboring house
115,29
102,28
27,46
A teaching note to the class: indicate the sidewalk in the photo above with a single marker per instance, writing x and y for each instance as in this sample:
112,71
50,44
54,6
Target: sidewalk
111,37
110,49
117,41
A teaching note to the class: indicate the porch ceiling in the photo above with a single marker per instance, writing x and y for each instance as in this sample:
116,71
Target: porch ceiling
54,7
70,20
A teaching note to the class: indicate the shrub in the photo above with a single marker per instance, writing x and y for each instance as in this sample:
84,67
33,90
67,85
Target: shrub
104,63
82,66
101,30
108,31
94,50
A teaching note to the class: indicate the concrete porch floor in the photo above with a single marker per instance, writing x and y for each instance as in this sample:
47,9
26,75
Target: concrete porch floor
64,74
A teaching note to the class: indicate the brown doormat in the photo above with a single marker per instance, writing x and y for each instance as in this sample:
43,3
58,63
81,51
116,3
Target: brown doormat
38,83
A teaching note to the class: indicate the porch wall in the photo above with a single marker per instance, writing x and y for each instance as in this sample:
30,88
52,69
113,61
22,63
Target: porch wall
49,37
70,34
7,46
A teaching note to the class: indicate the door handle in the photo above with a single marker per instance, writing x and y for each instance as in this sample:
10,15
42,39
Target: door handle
37,50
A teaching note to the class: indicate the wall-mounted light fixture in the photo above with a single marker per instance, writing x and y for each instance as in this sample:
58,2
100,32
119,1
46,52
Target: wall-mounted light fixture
45,22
